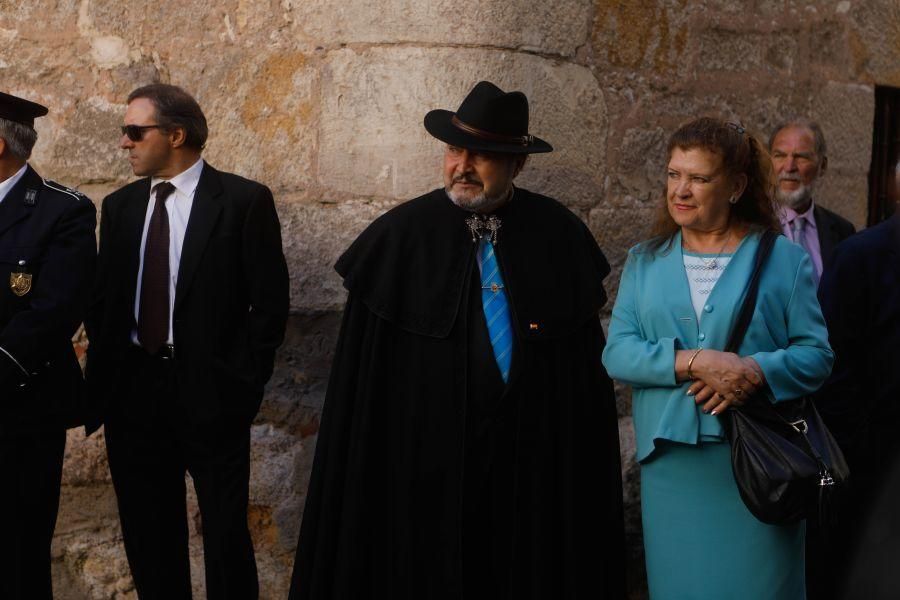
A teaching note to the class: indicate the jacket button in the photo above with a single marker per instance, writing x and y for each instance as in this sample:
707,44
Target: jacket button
708,308
701,337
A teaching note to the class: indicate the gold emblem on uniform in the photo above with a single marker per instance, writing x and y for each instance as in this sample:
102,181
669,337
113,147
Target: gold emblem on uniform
20,283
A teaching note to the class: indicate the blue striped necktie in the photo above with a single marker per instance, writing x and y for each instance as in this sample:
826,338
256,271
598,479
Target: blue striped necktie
496,306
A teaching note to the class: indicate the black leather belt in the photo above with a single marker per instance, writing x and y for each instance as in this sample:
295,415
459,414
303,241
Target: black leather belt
165,352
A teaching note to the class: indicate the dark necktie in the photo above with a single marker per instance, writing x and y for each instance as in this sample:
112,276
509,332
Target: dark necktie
153,315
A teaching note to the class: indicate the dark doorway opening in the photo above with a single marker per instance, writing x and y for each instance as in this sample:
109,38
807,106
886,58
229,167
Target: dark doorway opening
885,154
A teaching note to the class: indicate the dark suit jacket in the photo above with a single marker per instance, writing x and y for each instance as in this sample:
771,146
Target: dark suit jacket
860,297
231,300
832,229
50,229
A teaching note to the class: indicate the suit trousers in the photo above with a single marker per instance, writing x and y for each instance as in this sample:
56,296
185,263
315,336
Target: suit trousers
150,451
31,465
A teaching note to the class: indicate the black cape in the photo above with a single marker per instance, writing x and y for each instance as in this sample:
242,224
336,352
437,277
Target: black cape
424,486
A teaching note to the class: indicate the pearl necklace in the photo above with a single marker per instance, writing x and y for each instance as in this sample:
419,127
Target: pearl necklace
711,264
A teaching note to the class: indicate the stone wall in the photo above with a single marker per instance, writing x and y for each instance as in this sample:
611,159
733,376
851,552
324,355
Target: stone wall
323,101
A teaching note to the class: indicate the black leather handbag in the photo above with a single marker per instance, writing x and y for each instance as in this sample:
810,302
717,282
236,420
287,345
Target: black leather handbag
787,465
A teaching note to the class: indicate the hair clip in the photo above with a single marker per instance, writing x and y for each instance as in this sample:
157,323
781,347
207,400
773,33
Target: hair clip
737,127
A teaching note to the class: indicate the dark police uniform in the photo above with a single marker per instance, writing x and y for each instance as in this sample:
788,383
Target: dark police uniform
47,260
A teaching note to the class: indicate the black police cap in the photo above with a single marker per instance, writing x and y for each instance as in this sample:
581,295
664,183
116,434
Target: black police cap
20,110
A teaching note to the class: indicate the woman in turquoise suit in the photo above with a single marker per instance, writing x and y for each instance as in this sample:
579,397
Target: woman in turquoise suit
677,301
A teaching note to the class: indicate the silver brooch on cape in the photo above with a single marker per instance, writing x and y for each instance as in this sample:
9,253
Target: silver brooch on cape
481,225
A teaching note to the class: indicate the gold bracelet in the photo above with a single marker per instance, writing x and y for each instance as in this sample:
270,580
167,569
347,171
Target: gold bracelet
691,363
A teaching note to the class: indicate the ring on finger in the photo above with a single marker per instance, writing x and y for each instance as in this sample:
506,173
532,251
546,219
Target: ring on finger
739,392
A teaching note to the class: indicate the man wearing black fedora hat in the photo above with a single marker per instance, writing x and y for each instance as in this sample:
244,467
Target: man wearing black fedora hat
47,256
468,446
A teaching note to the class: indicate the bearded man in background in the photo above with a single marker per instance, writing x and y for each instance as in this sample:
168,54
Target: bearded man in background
800,159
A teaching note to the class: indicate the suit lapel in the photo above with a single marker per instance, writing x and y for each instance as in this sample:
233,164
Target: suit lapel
204,214
134,214
893,247
825,231
20,200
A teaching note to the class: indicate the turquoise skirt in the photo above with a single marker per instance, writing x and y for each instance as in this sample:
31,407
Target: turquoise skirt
700,540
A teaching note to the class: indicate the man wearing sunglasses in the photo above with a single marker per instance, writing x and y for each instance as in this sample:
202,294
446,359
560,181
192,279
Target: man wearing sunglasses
47,259
190,304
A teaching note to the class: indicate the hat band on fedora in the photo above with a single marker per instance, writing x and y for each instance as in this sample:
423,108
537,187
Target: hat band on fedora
524,140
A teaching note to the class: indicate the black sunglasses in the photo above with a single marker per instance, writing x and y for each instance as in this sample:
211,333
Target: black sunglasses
135,133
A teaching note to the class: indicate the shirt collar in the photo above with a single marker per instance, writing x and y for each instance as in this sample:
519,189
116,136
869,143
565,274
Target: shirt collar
7,185
789,215
186,181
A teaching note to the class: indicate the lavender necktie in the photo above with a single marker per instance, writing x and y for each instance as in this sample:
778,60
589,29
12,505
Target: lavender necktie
799,226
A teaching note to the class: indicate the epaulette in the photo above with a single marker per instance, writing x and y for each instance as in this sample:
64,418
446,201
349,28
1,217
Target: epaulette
65,190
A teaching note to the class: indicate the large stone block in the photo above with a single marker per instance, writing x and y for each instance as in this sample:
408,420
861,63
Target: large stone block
725,49
372,141
85,459
149,24
263,115
296,392
259,104
638,163
279,465
314,236
553,28
875,39
646,35
88,557
846,112
617,229
846,193
81,144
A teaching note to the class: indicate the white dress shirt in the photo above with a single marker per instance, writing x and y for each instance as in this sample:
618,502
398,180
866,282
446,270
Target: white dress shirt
10,183
178,206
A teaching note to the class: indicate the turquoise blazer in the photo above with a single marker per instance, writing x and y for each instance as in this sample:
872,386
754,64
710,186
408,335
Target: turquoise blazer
653,317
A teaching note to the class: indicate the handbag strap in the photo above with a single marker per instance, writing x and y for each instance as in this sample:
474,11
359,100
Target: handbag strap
742,323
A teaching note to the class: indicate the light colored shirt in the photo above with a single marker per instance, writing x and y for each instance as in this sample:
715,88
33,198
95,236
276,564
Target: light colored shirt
703,271
810,243
178,207
8,184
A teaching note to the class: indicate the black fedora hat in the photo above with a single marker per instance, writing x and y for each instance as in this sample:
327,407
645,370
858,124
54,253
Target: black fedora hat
20,110
490,120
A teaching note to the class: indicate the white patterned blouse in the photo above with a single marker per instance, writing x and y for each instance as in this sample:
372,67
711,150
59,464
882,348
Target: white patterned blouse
703,271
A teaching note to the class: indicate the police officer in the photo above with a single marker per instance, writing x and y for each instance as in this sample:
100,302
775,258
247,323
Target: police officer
47,259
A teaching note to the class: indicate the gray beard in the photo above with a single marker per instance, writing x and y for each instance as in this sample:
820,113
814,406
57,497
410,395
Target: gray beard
799,198
479,204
